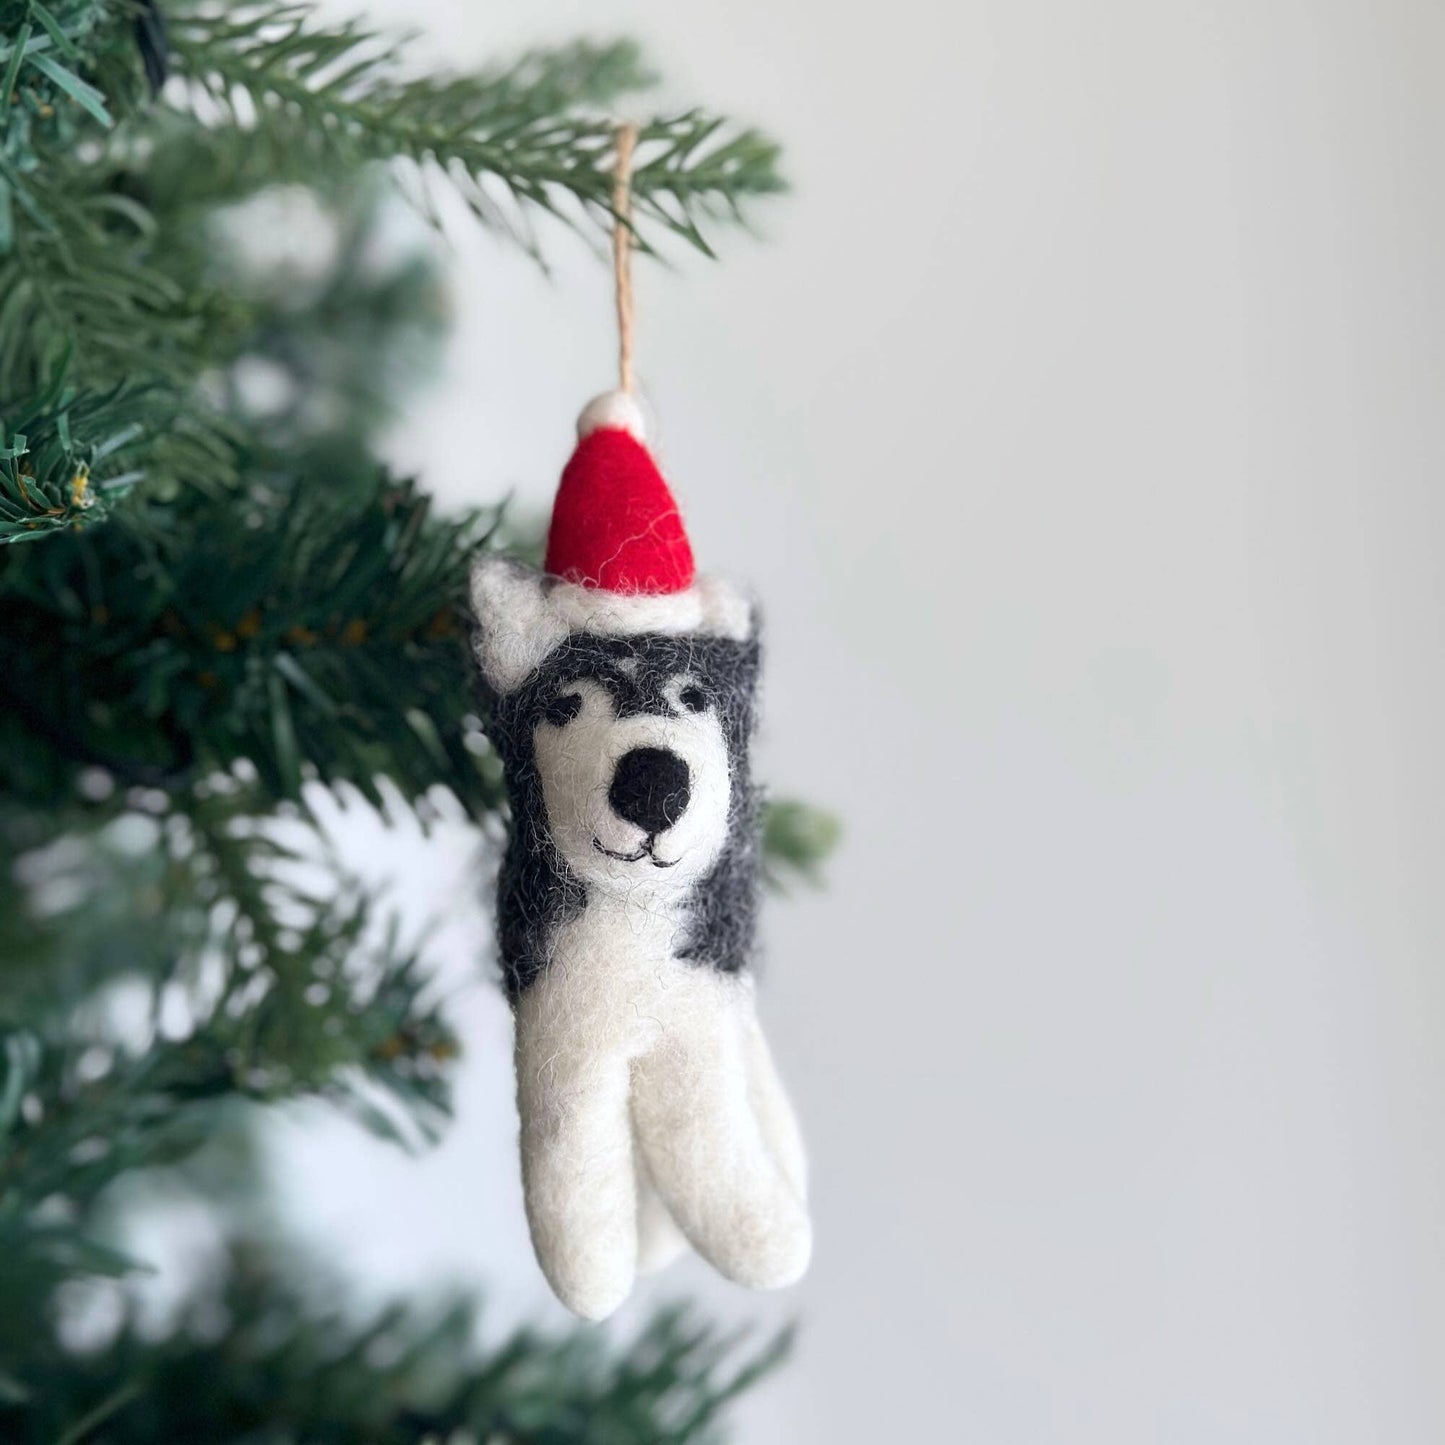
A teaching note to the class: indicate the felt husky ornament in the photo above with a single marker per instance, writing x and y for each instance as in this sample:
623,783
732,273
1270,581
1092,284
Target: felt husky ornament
620,688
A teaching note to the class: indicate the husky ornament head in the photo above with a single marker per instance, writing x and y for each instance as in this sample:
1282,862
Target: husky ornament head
620,691
628,750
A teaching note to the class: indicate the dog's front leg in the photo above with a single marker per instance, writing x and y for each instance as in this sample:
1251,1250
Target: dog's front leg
578,1176
714,1160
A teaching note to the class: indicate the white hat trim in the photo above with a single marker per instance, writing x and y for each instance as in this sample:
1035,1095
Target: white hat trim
524,615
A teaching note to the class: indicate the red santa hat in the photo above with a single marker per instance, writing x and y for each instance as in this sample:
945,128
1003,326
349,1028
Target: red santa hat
615,523
618,557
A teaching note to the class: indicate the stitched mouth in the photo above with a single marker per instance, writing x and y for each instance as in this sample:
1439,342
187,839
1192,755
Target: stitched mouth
644,851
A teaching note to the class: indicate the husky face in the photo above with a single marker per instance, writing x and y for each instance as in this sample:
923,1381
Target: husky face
626,759
633,763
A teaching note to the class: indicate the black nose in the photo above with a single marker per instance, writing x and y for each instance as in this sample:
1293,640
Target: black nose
651,788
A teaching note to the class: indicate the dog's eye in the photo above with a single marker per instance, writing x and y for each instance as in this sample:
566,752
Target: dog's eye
693,698
561,710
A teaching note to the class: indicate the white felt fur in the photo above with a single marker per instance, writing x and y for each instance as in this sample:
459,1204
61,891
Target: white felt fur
577,762
526,615
659,1240
647,1095
632,1063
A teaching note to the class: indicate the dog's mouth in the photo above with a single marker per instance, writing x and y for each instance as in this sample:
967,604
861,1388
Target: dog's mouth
643,851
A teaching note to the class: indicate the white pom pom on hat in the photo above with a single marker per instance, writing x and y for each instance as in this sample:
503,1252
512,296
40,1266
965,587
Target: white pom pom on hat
619,410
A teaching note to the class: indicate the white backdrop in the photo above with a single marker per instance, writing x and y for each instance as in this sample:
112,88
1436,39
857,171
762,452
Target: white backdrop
1079,421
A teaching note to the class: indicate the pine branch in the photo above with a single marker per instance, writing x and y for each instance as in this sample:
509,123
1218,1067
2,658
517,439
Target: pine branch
404,1376
67,69
349,345
311,633
64,454
797,839
260,983
336,95
81,284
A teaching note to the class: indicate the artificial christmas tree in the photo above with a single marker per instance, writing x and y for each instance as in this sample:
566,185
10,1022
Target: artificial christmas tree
214,600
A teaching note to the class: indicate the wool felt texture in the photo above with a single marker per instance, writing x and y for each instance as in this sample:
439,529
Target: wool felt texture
616,525
544,611
652,1116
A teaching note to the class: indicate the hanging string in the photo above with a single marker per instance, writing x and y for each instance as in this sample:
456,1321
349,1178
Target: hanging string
622,249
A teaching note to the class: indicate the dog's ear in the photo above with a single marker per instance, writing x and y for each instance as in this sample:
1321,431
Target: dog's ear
516,629
725,610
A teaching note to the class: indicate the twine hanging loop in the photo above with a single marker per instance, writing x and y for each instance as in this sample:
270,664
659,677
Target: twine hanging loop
622,250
